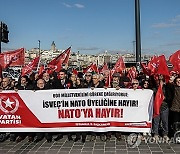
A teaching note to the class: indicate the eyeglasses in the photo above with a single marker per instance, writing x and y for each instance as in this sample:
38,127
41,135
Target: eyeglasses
135,83
87,75
146,83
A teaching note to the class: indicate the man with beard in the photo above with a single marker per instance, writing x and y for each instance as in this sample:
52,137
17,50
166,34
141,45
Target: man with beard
62,83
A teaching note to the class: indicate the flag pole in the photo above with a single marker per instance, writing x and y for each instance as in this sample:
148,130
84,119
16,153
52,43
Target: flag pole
138,35
39,43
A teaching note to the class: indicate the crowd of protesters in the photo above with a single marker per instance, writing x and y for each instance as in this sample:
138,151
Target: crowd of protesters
161,126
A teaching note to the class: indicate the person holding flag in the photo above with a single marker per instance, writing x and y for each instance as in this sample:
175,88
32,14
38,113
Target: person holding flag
175,108
161,109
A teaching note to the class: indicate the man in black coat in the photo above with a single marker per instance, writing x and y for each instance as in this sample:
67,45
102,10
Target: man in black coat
6,85
24,85
40,136
62,83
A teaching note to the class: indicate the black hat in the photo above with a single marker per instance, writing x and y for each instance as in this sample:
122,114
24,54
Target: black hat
126,79
116,75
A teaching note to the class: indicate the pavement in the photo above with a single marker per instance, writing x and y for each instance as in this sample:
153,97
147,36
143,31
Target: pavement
113,146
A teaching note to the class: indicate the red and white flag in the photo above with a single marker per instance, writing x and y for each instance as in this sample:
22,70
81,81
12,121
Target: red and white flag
32,66
57,67
56,63
104,68
174,59
145,69
1,71
132,73
92,68
119,66
64,57
158,101
158,65
74,71
153,64
162,67
12,58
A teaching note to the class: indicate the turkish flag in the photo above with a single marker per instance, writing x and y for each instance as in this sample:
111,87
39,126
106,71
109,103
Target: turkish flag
32,66
56,63
158,101
92,68
12,58
174,59
56,67
64,57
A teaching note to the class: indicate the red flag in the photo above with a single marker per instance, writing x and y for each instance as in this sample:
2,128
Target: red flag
67,55
41,70
104,68
56,63
91,68
158,101
1,71
64,57
158,65
87,69
174,59
12,58
75,72
30,67
145,69
153,65
119,66
162,67
56,67
132,73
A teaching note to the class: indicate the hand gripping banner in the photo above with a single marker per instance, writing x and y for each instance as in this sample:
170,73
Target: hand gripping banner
98,110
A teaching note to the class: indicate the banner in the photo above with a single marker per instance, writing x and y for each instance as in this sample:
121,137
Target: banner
67,110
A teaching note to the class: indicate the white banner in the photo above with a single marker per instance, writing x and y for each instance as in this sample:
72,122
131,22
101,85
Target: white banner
77,110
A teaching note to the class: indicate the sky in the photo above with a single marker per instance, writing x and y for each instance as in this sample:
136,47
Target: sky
92,26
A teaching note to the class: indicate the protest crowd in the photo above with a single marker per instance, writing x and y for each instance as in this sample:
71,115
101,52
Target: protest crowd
155,76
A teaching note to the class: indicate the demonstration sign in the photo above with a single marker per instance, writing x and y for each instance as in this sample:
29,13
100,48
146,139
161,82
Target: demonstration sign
67,110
